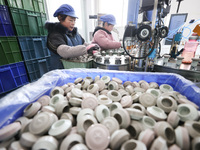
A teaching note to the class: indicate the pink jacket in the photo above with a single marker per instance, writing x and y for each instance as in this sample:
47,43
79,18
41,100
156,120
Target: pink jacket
105,40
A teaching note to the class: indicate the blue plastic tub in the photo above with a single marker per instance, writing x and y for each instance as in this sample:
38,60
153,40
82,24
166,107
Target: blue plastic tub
12,76
12,105
6,28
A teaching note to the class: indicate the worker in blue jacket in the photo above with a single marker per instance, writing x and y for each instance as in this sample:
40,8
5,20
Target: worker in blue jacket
63,39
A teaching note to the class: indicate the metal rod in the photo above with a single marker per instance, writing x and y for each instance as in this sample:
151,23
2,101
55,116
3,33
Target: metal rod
178,6
154,14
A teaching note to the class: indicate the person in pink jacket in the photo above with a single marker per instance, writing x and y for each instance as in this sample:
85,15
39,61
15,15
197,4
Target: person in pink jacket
102,35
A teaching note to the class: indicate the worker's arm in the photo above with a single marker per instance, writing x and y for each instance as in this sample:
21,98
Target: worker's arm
66,51
57,43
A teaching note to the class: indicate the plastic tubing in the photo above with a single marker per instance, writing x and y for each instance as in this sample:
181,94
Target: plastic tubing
187,27
186,37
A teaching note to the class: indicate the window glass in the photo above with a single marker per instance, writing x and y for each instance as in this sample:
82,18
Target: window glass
118,8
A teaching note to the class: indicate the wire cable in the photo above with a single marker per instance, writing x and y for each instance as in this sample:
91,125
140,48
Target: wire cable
137,57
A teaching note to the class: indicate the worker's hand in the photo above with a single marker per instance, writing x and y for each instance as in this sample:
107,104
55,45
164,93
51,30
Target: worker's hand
92,47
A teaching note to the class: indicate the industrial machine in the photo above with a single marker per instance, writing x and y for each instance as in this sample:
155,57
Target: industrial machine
185,64
182,61
141,45
114,59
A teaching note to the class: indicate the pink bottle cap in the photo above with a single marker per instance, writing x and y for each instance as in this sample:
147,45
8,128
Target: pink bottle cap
97,137
89,102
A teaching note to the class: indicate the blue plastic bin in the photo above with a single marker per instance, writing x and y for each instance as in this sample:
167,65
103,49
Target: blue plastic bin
6,28
7,80
33,47
27,94
12,76
37,67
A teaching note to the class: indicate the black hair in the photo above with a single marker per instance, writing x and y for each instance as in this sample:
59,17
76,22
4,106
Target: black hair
107,23
62,17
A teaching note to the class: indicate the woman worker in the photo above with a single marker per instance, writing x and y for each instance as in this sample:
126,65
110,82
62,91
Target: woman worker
102,35
63,39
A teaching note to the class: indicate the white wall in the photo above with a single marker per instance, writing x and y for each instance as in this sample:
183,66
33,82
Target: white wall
187,6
